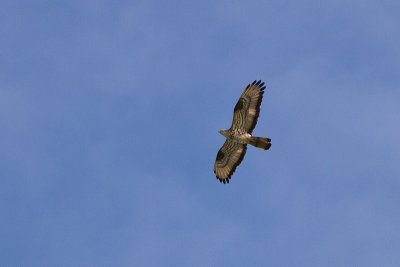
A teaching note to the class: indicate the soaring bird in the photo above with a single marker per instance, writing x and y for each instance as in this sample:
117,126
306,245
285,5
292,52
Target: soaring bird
245,116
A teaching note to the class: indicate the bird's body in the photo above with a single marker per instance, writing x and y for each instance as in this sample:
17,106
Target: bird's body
245,118
236,135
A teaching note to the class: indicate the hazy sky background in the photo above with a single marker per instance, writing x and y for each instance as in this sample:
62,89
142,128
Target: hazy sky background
109,119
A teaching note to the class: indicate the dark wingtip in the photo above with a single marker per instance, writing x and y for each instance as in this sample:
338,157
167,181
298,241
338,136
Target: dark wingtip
254,82
258,83
262,84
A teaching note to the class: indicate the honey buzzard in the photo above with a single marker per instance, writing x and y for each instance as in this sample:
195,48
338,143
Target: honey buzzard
245,116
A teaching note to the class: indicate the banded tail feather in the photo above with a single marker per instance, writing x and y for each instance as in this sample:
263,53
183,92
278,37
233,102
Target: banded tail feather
261,142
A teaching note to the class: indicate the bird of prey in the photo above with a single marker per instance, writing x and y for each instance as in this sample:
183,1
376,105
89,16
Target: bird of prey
245,116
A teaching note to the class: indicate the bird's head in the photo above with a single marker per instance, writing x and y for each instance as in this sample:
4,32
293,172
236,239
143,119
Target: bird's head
224,132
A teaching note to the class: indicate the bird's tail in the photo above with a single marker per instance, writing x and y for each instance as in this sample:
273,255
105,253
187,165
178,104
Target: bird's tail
261,142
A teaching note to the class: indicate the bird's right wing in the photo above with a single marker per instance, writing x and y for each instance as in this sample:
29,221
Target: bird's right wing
229,157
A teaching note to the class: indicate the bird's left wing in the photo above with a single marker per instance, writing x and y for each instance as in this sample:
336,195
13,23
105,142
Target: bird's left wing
247,109
229,157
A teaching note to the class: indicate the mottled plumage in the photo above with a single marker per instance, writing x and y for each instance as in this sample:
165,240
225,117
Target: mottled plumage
245,116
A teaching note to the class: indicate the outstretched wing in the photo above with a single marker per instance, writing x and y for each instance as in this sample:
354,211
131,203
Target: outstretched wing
229,157
247,109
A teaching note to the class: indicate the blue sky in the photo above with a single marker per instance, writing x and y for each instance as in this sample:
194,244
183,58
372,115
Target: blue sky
109,118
